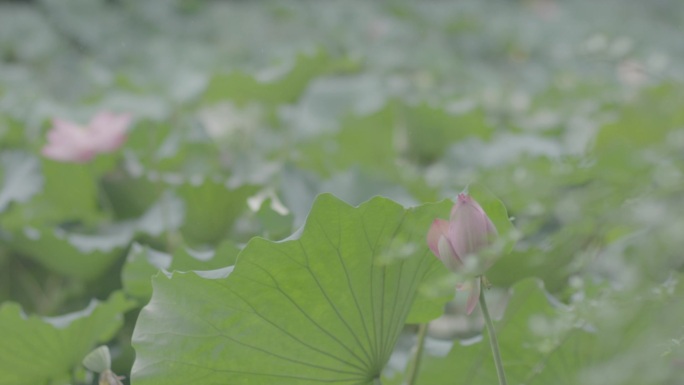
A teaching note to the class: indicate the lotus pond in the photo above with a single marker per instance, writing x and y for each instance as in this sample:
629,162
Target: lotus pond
318,192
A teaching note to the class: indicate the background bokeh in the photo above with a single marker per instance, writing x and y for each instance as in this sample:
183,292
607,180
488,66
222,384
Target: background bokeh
570,111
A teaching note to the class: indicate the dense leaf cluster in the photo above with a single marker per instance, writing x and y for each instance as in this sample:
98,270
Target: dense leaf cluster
265,221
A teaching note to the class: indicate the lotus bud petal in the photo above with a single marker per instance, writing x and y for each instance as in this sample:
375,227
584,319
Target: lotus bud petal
468,231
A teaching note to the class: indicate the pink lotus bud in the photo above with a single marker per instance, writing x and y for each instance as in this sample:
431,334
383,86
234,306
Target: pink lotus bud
70,142
468,231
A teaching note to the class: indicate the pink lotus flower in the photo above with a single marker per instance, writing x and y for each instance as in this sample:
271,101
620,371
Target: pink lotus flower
70,142
468,231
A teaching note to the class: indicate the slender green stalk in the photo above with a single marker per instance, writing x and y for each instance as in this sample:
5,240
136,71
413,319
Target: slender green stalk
493,343
417,354
376,381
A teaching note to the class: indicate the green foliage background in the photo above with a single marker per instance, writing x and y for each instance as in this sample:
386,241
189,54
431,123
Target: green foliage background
570,112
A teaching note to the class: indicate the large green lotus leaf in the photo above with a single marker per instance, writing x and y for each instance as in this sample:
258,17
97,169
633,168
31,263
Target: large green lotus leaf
38,350
326,305
143,262
211,208
537,346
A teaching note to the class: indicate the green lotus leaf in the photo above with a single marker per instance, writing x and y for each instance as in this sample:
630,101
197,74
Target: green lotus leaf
211,208
242,87
326,305
21,178
537,346
87,255
38,350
